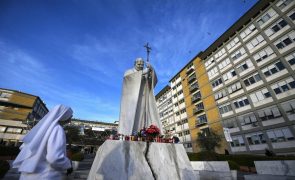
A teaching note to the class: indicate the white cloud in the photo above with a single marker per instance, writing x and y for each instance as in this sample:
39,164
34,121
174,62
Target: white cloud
30,75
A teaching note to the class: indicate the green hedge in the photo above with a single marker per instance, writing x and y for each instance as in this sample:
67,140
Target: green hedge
239,159
9,151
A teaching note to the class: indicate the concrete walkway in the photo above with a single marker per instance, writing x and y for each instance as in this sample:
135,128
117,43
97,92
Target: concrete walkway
80,174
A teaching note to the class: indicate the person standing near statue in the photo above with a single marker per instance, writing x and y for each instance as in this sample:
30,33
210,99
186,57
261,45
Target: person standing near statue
138,105
43,152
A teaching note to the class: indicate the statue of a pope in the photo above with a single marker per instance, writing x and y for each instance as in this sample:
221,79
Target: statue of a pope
138,105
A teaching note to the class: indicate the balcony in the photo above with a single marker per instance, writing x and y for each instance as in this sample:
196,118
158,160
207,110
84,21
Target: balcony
198,110
194,87
196,97
192,78
190,70
201,122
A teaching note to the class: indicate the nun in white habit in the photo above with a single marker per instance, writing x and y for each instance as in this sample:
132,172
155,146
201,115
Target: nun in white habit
43,152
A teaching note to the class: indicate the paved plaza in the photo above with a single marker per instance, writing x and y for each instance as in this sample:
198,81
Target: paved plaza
80,174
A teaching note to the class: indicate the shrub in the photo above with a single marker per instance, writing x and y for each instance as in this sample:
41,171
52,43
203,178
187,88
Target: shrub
9,151
77,157
4,167
203,156
239,159
269,152
208,141
233,165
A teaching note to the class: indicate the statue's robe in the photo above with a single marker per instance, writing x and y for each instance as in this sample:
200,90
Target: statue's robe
138,104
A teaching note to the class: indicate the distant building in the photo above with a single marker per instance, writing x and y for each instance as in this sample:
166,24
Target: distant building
18,113
95,125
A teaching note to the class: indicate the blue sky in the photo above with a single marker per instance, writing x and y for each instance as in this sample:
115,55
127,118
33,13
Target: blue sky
75,52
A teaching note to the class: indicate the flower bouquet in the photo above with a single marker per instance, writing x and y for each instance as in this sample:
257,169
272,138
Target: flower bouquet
152,132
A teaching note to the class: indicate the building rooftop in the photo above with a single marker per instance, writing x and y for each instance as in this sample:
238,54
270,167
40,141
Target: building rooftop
238,25
165,89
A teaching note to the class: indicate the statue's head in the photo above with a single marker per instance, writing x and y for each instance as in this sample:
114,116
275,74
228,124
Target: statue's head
139,63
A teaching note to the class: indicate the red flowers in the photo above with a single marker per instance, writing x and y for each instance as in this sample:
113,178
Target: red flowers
153,131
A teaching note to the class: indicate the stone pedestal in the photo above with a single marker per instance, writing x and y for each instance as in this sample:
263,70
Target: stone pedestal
132,160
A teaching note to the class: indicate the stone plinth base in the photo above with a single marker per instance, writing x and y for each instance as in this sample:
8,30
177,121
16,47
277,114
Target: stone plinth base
132,160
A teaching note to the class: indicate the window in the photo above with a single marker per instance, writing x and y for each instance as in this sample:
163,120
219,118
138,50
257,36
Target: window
177,113
232,43
213,72
196,97
285,40
237,141
273,68
209,62
255,42
269,113
263,54
175,95
241,102
280,24
181,101
14,130
200,106
230,123
201,119
283,3
292,15
178,84
289,107
247,119
265,17
2,129
220,94
182,111
180,92
217,82
248,31
186,132
256,138
225,108
291,58
224,63
252,79
4,95
229,75
190,66
236,55
283,86
260,95
235,87
244,66
187,145
219,54
280,135
181,122
179,134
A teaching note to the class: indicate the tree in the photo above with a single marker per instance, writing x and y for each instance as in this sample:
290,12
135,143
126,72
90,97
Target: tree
72,134
208,141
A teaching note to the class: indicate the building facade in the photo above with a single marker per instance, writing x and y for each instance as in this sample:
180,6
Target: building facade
180,111
18,113
244,81
165,108
251,71
194,105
